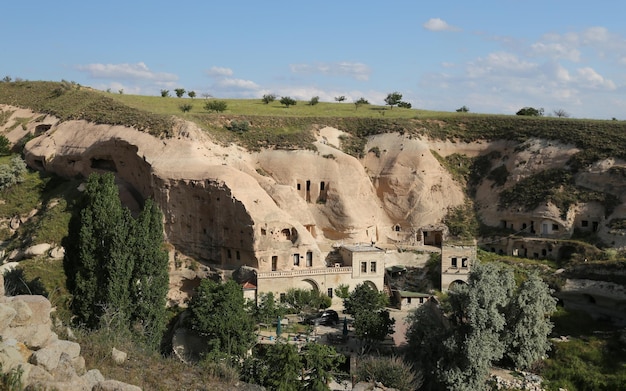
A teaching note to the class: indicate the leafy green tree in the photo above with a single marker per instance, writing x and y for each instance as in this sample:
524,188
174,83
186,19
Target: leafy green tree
320,361
216,105
13,173
150,280
462,109
287,101
366,298
268,98
165,93
267,309
185,107
360,102
97,261
191,94
286,367
217,312
477,325
314,100
530,111
393,99
340,98
372,327
179,92
342,291
404,105
5,145
306,300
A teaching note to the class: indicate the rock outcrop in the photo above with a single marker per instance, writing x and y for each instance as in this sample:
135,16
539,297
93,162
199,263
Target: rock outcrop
28,345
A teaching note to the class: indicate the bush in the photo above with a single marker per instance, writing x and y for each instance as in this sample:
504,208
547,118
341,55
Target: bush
463,109
268,98
5,145
185,107
392,372
404,105
216,105
314,100
530,111
238,126
13,173
287,101
165,93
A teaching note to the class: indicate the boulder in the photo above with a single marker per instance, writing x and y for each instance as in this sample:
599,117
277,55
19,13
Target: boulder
37,250
7,313
114,385
118,356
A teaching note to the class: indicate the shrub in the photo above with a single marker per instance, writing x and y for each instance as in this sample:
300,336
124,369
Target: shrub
180,92
216,105
340,98
5,145
404,105
185,107
268,98
13,173
238,126
314,100
530,111
287,101
392,372
165,93
463,109
191,94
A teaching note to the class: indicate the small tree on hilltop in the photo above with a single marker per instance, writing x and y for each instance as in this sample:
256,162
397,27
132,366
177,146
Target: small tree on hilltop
404,105
180,92
185,107
393,99
314,100
561,113
268,98
215,105
165,93
361,101
191,94
463,109
340,98
287,101
530,111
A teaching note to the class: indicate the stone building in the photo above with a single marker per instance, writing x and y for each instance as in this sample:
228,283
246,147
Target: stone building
456,262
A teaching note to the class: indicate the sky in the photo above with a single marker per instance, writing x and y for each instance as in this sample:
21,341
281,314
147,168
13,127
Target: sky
492,56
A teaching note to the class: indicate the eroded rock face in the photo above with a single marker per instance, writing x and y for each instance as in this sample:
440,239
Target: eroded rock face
235,207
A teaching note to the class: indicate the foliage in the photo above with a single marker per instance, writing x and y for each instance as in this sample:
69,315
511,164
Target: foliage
239,126
404,105
115,263
530,111
463,109
268,98
393,98
165,93
342,291
185,107
478,325
287,101
179,92
360,102
340,98
372,322
5,145
232,332
286,366
462,221
217,106
267,310
13,173
306,300
16,283
319,362
11,380
499,175
561,113
191,94
314,100
365,298
392,372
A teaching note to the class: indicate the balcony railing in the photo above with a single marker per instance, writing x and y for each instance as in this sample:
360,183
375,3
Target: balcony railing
306,272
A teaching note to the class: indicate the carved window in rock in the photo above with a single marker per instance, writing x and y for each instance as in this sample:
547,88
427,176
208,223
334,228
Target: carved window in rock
296,259
373,266
330,292
363,267
274,263
309,259
464,262
455,262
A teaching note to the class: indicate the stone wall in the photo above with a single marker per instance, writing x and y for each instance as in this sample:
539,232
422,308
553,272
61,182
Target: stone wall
28,343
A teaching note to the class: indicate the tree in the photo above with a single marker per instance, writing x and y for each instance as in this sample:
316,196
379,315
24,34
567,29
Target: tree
150,281
372,322
404,105
463,109
319,362
217,313
530,111
191,94
306,300
393,99
340,98
342,291
5,145
393,372
180,92
475,326
13,173
314,100
267,310
561,113
287,101
165,93
286,367
185,107
268,98
215,105
97,260
361,101
366,298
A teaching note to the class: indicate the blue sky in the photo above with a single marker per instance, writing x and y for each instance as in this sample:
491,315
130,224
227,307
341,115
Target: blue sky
491,56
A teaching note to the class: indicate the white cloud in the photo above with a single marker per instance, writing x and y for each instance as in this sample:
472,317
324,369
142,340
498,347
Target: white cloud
556,50
588,77
219,72
356,70
437,24
126,71
501,63
229,83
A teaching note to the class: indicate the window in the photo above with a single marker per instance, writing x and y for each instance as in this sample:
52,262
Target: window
322,185
282,297
330,292
363,267
454,262
238,255
464,262
274,263
309,259
421,300
584,223
408,300
555,227
373,267
298,186
228,254
296,259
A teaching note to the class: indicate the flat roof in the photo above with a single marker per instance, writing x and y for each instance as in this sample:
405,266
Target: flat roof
362,248
413,294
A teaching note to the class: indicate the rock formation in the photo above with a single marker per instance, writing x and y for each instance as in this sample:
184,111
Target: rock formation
28,345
